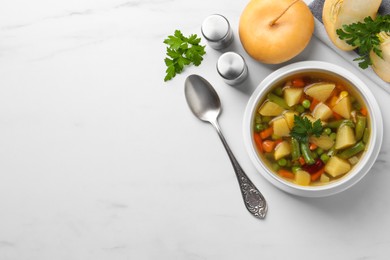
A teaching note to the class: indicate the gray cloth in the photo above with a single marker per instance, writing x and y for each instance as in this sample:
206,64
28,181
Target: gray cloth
385,7
316,8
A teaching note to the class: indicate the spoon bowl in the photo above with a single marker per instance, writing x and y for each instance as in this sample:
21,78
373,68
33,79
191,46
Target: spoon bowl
202,98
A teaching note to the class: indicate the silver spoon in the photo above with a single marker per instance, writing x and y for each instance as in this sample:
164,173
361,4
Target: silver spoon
204,102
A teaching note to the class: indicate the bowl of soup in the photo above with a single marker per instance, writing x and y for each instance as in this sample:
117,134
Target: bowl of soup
313,129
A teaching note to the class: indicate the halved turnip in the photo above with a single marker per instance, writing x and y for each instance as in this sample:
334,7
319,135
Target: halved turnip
379,65
337,13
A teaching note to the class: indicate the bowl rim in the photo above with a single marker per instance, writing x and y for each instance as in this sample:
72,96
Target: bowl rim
359,170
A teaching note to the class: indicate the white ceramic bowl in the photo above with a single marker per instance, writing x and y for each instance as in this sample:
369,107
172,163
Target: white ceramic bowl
358,171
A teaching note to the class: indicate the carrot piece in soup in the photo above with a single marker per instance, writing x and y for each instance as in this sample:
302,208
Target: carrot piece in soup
313,104
364,111
266,133
315,176
298,83
286,174
268,145
301,160
312,146
258,142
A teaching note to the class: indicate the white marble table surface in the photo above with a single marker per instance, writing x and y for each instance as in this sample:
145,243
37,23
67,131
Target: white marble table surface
100,159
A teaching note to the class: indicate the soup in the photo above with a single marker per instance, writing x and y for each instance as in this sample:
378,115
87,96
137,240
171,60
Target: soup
311,129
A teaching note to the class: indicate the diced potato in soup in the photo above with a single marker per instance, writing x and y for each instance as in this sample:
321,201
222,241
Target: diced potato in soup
345,137
322,111
343,107
311,134
281,150
289,116
270,109
336,166
292,95
320,91
280,127
302,178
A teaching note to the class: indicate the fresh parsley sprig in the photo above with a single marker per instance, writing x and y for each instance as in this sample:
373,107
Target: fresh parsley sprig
304,128
364,35
182,51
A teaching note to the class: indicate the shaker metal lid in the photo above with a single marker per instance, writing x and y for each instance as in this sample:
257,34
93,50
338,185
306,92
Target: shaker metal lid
215,27
230,65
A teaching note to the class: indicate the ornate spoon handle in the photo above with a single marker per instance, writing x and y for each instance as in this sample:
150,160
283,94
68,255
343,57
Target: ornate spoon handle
253,199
